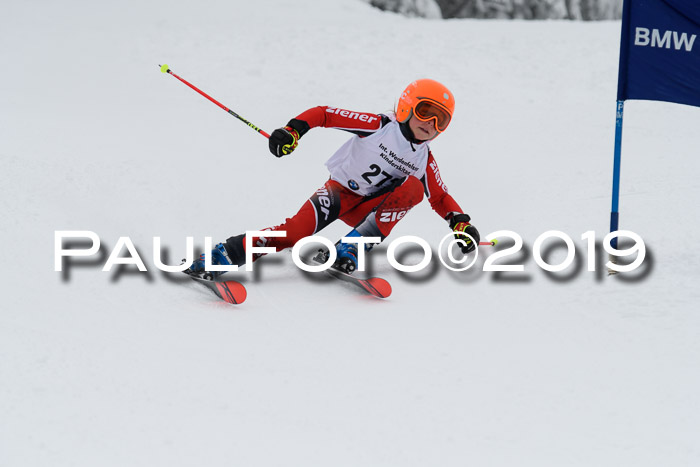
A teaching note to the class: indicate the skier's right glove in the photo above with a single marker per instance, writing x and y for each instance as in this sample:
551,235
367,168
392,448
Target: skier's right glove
460,226
283,141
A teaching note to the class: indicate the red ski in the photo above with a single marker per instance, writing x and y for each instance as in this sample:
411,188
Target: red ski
375,286
232,292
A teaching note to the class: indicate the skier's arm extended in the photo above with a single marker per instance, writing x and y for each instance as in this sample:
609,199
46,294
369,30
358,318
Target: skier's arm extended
284,140
446,206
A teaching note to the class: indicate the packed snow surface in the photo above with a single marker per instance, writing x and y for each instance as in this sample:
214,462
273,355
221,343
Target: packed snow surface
528,368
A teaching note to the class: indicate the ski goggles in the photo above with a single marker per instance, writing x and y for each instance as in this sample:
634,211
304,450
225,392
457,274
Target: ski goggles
426,110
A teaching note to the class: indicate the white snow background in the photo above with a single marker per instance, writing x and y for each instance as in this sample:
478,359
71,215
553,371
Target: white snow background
454,369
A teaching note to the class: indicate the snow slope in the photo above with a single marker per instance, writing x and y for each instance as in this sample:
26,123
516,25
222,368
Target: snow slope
129,368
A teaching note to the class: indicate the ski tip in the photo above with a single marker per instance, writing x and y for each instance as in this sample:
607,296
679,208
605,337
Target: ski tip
232,292
164,68
381,288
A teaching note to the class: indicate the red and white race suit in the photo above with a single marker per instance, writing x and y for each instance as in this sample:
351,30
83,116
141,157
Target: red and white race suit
378,171
379,155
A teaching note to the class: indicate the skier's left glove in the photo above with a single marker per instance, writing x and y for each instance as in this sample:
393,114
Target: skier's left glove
283,141
460,226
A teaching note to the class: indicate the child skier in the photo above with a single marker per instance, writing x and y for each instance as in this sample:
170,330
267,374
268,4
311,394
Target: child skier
376,177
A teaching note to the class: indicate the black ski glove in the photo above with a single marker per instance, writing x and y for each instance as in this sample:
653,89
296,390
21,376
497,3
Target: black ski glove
283,141
460,225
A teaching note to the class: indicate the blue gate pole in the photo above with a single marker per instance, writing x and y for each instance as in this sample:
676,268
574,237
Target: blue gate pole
615,211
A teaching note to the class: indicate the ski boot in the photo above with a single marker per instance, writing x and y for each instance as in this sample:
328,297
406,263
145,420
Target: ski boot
219,256
347,254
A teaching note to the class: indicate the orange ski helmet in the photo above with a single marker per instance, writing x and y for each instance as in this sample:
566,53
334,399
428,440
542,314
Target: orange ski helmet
427,100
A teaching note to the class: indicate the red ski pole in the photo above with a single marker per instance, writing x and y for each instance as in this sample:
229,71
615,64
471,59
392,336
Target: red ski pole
165,69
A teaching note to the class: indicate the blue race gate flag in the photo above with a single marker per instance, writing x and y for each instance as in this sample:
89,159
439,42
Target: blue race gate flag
660,51
659,61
